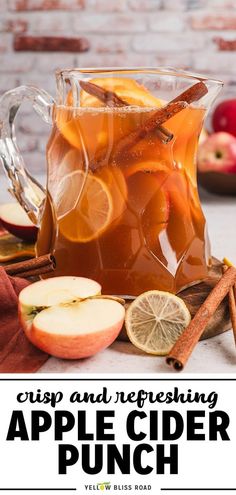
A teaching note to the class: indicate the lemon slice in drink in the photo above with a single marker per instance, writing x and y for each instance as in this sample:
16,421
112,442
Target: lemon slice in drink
127,89
90,217
155,320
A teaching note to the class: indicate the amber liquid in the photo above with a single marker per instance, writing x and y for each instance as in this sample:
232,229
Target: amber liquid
132,220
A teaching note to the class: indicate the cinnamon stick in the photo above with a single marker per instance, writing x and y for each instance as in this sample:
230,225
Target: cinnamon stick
194,93
232,304
184,346
232,309
162,115
36,272
111,99
32,267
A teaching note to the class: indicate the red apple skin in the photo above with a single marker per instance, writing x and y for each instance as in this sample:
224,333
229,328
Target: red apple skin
217,153
25,232
71,346
224,117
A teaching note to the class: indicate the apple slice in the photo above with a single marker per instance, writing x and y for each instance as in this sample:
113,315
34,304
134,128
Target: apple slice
76,330
16,221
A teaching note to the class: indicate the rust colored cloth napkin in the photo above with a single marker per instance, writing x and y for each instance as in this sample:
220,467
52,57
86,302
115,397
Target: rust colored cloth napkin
17,354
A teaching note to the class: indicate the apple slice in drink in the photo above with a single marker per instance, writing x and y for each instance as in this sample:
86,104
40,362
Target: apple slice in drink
63,317
180,229
16,221
143,187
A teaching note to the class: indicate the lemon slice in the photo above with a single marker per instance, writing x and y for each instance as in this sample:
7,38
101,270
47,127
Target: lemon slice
67,192
91,209
127,89
155,320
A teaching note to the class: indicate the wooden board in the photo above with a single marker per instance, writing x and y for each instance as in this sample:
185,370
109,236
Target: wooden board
195,295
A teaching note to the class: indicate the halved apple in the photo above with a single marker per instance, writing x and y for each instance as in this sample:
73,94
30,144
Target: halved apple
16,221
68,318
76,330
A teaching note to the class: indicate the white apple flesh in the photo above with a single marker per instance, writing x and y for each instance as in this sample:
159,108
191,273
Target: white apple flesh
217,153
16,221
56,290
76,330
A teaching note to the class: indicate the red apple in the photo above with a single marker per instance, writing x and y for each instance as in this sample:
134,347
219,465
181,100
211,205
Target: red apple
217,153
16,221
67,318
224,117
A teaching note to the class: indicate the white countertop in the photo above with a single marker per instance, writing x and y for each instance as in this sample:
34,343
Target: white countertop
215,355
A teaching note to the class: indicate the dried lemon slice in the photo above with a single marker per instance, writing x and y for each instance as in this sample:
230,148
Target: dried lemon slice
155,320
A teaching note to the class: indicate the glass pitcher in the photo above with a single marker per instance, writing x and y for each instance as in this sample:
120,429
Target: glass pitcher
121,204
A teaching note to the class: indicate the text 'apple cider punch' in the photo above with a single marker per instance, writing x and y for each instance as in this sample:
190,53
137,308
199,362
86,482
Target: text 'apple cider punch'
121,205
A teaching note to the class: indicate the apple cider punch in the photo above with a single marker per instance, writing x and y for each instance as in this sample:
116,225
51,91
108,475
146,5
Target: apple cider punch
122,206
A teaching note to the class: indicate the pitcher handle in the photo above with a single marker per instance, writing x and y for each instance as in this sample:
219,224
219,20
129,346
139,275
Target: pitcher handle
28,192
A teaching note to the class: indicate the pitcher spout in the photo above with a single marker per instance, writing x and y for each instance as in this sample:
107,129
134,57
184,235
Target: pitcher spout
214,87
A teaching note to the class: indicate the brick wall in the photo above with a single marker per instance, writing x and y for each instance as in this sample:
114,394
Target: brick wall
38,36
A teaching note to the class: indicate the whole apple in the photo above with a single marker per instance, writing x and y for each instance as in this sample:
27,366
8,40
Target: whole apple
217,153
224,117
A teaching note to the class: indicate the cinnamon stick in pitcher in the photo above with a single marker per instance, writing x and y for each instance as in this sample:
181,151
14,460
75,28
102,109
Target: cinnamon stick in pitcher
32,267
184,346
161,115
107,97
111,99
194,93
